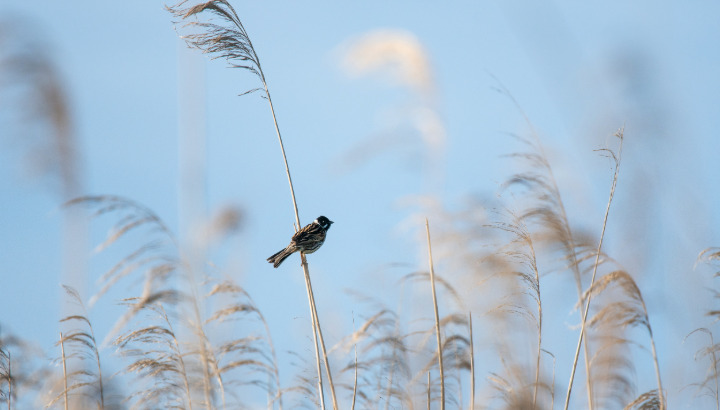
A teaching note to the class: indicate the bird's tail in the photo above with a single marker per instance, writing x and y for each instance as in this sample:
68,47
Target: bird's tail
279,257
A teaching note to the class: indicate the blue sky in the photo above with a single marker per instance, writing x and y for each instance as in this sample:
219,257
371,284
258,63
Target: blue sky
578,71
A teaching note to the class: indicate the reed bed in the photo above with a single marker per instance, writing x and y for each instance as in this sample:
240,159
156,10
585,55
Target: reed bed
468,328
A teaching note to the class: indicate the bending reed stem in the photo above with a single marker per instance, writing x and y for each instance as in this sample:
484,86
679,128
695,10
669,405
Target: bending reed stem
317,331
437,319
65,379
592,280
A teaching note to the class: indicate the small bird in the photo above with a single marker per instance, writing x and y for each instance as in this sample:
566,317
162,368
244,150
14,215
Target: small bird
307,240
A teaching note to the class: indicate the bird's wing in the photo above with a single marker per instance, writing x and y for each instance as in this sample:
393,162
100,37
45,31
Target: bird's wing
306,233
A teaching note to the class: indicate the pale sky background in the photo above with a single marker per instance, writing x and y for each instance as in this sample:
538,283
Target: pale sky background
578,71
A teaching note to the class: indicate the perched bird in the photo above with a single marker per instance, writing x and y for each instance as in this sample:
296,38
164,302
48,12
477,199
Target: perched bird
307,240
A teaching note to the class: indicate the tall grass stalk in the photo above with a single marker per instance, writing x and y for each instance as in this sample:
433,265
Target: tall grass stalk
552,385
64,364
539,319
625,314
355,381
712,351
201,342
233,43
9,380
178,353
616,159
5,370
472,364
661,394
83,340
521,251
437,319
428,391
317,330
313,317
552,213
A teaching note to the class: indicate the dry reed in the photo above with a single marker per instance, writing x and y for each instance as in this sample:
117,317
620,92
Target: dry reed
174,359
232,43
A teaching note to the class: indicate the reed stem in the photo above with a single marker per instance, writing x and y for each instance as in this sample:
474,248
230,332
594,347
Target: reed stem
617,158
437,319
65,380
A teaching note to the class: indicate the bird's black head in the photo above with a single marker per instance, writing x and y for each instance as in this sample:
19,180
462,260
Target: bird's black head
324,222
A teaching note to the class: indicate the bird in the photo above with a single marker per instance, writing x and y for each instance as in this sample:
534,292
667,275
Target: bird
307,240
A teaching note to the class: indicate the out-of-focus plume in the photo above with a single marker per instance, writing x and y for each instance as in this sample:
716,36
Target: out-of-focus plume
225,221
400,58
397,53
35,107
35,116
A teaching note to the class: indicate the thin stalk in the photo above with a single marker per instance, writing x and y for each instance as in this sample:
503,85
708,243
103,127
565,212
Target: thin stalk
390,380
231,42
192,183
204,355
537,364
540,323
208,359
352,407
184,374
661,395
595,268
552,390
319,331
715,361
192,264
570,246
313,318
472,365
308,284
193,258
428,392
100,378
62,351
199,333
394,360
216,370
285,161
437,319
10,380
180,358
